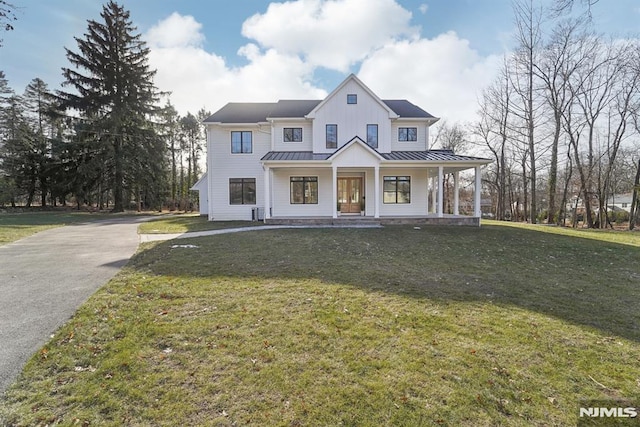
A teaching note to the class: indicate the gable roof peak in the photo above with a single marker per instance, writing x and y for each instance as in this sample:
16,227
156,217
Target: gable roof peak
352,78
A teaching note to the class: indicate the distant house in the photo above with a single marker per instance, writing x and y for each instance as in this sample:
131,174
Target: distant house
620,202
349,155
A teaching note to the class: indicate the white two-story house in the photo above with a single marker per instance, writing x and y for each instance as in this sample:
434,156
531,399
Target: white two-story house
349,155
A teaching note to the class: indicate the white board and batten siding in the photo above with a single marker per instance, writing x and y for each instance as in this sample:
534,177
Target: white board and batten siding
278,136
422,142
352,119
418,205
224,165
281,193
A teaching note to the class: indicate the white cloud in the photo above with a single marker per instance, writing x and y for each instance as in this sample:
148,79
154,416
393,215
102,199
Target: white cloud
197,78
442,75
334,34
176,31
424,8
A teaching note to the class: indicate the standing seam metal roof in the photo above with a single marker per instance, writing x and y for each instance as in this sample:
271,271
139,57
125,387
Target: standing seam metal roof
431,155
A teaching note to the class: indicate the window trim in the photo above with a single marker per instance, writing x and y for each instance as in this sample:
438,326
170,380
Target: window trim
406,178
293,135
242,133
377,138
304,180
243,182
332,144
406,129
352,98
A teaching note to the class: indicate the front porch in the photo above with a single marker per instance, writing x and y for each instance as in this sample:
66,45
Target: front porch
461,220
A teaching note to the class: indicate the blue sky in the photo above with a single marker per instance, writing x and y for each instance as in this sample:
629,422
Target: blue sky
438,54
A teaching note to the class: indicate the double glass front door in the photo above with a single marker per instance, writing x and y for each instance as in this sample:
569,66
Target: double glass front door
350,195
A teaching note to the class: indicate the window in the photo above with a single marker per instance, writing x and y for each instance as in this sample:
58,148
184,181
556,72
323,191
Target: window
241,142
396,189
304,190
242,191
372,135
332,136
292,134
407,134
352,98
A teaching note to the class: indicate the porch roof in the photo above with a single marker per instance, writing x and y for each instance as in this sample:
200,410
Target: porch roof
445,156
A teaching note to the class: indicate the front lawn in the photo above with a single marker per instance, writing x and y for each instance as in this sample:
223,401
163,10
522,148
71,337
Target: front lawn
183,223
395,326
15,226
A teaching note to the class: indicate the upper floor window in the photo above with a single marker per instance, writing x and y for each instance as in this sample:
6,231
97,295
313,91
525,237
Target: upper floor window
352,98
407,134
332,136
241,142
372,135
292,134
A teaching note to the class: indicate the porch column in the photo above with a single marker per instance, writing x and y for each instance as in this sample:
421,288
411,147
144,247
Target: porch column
456,193
434,203
376,191
334,179
427,191
267,192
440,191
477,194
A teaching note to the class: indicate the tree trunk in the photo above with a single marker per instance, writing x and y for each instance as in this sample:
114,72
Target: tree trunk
634,217
553,171
118,190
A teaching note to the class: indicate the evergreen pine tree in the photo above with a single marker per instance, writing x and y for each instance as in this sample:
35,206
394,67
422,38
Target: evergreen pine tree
114,91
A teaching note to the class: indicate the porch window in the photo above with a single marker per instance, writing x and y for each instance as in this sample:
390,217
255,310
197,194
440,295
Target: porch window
304,190
292,134
242,191
407,134
332,136
241,142
396,189
372,135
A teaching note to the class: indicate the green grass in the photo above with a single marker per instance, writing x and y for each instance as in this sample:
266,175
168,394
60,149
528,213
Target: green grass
15,226
188,222
439,326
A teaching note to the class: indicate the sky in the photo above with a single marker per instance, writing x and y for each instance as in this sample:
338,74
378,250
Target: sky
438,54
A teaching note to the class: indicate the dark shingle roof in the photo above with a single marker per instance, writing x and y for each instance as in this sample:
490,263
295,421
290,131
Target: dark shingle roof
242,112
293,108
404,108
255,112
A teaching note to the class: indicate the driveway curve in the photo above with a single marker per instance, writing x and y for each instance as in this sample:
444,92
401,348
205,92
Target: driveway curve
44,278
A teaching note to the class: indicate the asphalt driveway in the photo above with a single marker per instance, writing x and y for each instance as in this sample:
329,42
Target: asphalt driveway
44,278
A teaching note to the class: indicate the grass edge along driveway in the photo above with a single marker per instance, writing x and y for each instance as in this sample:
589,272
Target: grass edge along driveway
393,326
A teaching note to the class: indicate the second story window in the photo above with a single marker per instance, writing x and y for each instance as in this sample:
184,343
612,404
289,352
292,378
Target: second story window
292,134
372,135
352,98
241,142
332,136
407,134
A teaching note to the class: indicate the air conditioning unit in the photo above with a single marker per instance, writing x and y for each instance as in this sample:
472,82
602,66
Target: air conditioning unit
257,214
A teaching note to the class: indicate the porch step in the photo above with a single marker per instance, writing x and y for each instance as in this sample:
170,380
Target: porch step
357,221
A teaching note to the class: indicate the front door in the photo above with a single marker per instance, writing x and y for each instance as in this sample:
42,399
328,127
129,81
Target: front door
349,194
